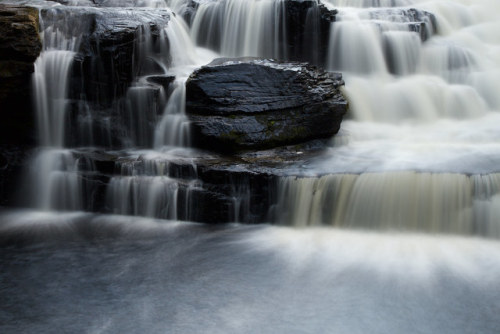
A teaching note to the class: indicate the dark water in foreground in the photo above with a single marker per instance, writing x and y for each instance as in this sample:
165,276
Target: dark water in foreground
82,273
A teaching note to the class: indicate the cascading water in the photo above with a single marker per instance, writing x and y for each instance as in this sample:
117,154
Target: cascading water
50,80
419,153
443,203
54,176
156,194
241,28
418,114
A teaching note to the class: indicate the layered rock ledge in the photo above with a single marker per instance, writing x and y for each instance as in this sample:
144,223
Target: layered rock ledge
247,104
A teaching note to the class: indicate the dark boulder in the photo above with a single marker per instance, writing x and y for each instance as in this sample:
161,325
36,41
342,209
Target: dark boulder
247,104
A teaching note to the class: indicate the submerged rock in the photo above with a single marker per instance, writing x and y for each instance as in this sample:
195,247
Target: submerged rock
246,104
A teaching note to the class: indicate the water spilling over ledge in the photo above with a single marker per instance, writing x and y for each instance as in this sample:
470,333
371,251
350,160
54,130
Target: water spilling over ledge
394,220
443,203
417,90
114,84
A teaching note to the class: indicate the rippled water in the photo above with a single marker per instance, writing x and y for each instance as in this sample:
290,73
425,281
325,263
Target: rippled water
115,274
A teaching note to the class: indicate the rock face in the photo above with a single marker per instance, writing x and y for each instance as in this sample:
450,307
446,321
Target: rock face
308,29
419,21
244,104
207,187
113,47
110,44
19,47
300,28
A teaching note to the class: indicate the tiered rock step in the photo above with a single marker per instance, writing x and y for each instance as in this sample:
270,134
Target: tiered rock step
197,186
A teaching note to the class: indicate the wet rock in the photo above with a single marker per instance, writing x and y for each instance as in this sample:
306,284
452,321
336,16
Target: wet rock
300,27
162,80
13,162
308,30
419,21
248,104
211,188
111,49
19,47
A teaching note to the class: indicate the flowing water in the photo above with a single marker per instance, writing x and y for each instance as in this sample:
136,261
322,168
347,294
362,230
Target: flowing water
421,147
393,229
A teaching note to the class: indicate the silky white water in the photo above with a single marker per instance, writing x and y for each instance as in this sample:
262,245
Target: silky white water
173,128
420,110
419,152
423,105
405,201
237,28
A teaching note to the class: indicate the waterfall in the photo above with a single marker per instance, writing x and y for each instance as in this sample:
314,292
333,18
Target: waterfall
173,128
391,227
54,179
51,79
419,78
51,83
238,28
418,112
449,203
144,196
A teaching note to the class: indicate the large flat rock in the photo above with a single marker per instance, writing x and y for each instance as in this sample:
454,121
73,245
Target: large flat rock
247,104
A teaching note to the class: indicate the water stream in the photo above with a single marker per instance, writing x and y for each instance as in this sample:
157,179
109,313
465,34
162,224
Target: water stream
393,229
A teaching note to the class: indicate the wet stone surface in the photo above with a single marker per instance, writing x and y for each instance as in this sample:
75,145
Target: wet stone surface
246,104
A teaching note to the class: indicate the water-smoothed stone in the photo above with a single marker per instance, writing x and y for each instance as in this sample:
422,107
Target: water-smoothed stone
248,104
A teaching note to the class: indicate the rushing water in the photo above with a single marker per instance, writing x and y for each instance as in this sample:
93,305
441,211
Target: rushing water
419,152
420,110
